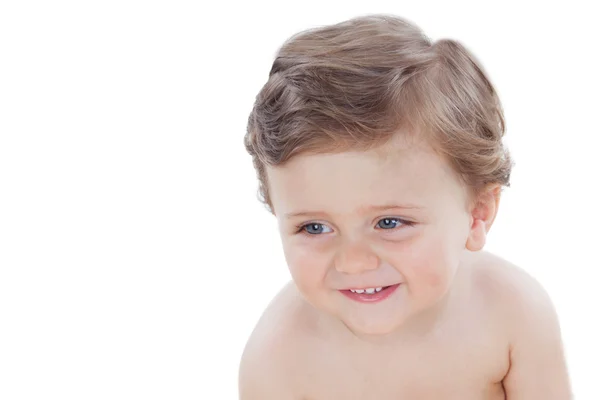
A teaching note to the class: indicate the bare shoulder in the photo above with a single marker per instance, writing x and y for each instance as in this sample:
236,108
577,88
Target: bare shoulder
537,361
514,292
510,292
266,367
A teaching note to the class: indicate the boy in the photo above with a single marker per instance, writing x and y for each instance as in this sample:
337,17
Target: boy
381,156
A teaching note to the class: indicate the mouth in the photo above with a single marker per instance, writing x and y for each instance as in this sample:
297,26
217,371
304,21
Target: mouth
370,295
369,290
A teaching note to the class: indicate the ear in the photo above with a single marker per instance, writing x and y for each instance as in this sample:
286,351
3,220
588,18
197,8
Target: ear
483,212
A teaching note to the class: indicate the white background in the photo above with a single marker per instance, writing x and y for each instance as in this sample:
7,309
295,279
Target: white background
134,256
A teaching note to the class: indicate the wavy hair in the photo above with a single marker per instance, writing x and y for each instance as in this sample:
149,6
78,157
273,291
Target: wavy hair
355,84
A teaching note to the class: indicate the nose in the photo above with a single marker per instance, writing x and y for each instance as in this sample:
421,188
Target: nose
355,257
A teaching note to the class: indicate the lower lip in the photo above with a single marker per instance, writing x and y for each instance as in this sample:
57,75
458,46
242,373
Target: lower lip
371,298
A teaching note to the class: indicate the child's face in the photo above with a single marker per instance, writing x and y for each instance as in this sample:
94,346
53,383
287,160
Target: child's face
348,244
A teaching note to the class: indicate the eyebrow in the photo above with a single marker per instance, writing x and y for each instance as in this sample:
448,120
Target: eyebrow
363,210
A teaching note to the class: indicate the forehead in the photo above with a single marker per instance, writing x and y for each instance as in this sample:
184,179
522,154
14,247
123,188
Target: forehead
397,173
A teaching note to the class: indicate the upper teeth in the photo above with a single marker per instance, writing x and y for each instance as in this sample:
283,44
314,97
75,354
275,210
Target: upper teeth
368,290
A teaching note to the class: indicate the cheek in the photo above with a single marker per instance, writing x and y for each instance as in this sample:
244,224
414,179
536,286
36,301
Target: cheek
431,269
441,264
428,264
436,277
307,265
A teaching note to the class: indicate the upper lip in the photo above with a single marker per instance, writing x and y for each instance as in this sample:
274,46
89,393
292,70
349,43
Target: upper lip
366,287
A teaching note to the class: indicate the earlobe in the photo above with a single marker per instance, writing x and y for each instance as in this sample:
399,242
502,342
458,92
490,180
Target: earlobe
483,215
477,236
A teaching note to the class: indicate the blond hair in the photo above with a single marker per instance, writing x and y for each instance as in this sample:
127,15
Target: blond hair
355,84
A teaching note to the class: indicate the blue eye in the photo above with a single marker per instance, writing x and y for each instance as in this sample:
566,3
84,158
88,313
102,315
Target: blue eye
389,223
313,228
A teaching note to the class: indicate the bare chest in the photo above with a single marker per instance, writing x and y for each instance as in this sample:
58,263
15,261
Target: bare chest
464,367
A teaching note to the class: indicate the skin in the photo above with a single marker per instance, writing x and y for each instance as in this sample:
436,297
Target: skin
463,324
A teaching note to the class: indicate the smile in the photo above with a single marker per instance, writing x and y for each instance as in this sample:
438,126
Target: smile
370,295
368,290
